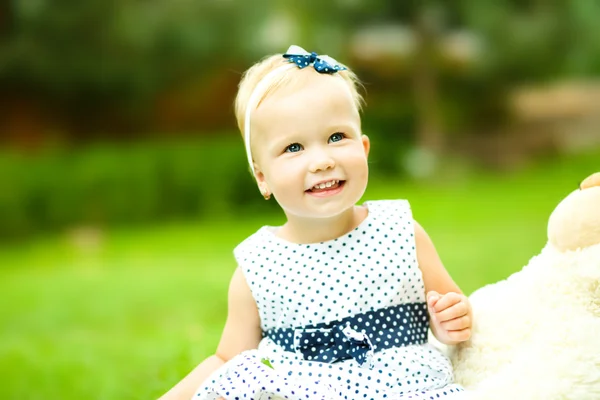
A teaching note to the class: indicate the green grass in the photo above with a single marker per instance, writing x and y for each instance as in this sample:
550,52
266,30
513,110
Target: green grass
128,316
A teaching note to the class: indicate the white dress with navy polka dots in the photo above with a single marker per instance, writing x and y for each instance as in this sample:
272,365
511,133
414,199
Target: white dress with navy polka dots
342,319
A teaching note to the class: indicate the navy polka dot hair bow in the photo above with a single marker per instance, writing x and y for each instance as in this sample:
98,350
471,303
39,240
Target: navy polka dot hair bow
322,64
335,344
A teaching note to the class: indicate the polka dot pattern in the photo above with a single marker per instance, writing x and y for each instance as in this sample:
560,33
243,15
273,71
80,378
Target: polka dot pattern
362,291
400,325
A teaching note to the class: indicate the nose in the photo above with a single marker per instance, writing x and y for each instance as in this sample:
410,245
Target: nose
321,161
591,181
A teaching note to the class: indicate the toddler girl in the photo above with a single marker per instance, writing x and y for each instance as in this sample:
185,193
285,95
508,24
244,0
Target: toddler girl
337,302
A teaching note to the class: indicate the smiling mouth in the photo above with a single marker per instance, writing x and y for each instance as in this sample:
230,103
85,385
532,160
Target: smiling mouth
326,186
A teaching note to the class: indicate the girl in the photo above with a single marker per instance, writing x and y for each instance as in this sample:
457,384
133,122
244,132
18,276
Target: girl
337,302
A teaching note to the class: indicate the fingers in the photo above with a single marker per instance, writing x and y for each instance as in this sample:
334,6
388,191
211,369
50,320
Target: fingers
432,298
459,336
447,300
457,324
455,311
450,313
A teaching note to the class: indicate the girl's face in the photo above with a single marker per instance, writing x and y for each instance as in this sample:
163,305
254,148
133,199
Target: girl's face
308,148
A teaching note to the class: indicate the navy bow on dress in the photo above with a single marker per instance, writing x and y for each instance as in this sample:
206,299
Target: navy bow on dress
322,64
335,344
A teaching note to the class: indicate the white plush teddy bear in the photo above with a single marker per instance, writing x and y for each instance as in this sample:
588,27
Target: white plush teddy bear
536,335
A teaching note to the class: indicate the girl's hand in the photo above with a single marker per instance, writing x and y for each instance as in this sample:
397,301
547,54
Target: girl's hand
450,317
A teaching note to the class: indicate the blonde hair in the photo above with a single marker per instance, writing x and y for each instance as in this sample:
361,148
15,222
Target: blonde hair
255,74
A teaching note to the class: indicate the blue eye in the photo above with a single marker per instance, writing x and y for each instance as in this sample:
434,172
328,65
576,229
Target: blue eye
293,148
336,137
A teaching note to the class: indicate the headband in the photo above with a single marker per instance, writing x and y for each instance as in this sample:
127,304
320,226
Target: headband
298,57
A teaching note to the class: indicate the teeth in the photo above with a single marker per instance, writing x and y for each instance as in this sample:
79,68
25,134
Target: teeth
325,185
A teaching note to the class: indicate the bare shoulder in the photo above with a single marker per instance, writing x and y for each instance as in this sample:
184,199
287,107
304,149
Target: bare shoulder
435,275
242,328
426,251
238,287
419,231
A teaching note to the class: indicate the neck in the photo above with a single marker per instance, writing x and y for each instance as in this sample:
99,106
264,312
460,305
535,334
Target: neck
302,230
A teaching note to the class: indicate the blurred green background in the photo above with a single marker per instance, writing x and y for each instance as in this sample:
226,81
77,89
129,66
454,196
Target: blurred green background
124,185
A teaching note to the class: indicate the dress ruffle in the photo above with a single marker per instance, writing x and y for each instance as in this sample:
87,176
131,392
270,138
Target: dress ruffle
248,377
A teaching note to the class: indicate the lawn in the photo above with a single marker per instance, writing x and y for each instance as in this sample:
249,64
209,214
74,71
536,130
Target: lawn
125,313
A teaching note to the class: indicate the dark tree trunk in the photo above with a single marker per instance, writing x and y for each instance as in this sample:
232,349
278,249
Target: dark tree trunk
7,17
429,130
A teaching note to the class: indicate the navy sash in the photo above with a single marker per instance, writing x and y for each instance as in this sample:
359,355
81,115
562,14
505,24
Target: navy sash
358,336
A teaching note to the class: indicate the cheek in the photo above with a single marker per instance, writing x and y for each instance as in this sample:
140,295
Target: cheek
284,172
358,158
360,167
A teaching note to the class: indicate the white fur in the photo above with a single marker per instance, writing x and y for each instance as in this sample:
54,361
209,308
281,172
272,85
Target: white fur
536,335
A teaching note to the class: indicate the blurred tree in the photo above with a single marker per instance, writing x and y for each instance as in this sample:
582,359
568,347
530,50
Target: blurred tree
536,41
516,42
101,58
100,64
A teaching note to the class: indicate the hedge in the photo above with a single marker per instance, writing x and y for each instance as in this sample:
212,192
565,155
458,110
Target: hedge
121,184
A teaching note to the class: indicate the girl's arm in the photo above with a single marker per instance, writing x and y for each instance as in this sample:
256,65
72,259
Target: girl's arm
449,309
242,332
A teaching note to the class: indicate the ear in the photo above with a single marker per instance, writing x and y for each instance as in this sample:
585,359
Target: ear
366,144
258,175
260,180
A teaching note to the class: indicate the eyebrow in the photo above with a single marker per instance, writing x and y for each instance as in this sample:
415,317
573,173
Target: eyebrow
344,128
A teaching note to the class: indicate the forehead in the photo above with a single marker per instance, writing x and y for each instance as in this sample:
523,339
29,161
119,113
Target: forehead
310,100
